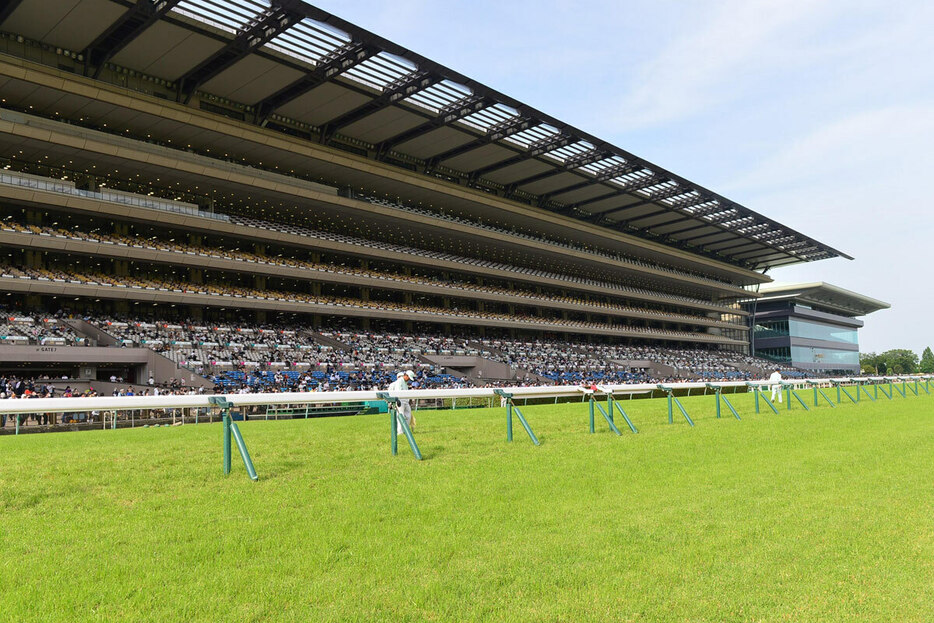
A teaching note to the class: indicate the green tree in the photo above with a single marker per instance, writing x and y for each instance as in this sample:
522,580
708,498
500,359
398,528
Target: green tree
900,360
927,361
870,362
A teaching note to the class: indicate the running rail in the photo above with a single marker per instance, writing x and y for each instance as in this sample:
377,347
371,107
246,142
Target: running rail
125,403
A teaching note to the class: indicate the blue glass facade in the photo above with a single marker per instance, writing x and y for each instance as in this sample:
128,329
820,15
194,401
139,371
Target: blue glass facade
797,335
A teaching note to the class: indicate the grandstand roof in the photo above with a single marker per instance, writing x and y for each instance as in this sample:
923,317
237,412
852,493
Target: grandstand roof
825,295
290,66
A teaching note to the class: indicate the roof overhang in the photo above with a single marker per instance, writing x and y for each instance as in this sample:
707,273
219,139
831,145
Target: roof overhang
824,295
287,65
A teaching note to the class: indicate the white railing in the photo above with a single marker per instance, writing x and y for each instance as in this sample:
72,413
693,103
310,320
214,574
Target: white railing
127,403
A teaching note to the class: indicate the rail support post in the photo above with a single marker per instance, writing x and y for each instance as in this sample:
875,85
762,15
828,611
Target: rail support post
754,387
607,415
673,399
230,429
794,394
510,409
718,393
397,421
612,403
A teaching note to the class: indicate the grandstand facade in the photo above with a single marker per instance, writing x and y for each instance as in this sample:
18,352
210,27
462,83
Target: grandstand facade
258,188
811,326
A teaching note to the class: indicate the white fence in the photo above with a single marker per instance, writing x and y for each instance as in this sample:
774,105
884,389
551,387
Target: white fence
126,403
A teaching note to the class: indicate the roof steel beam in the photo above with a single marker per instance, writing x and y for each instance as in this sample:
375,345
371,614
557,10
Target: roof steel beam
646,182
501,130
338,61
538,148
604,175
394,91
123,31
449,114
272,22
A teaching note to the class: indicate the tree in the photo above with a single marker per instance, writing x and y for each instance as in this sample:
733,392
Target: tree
927,361
902,360
871,362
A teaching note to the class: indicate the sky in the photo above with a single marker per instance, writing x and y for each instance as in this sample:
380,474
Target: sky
816,113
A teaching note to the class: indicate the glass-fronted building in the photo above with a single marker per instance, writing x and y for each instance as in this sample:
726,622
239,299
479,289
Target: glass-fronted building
812,326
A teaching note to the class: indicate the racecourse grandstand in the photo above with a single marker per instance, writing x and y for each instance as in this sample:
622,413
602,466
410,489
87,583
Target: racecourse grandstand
259,194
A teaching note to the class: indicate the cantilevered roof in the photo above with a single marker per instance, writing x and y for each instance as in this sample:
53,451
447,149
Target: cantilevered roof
288,65
824,295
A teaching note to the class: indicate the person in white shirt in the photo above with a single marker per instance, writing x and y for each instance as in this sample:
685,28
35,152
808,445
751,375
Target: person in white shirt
776,382
404,409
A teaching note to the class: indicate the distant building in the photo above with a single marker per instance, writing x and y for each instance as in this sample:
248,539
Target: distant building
812,326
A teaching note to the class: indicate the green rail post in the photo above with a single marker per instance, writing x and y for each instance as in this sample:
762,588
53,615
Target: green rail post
224,406
615,404
509,421
591,414
755,391
225,415
396,420
875,390
788,396
815,395
915,388
827,398
866,391
510,408
900,390
857,390
677,403
730,406
884,393
411,439
609,420
718,392
798,398
766,400
525,425
840,389
244,454
230,428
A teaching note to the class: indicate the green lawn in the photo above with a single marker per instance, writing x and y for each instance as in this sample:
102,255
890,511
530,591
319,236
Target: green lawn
819,516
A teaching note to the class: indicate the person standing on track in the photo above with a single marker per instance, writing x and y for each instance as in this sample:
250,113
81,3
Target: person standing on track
776,382
404,408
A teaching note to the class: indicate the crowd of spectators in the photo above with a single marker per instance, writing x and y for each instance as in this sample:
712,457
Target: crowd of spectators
163,283
19,328
459,286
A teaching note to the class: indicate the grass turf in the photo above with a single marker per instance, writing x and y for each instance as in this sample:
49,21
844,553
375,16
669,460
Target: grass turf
802,516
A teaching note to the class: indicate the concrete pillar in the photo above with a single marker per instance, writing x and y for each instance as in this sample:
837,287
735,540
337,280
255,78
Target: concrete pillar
260,316
196,275
259,282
